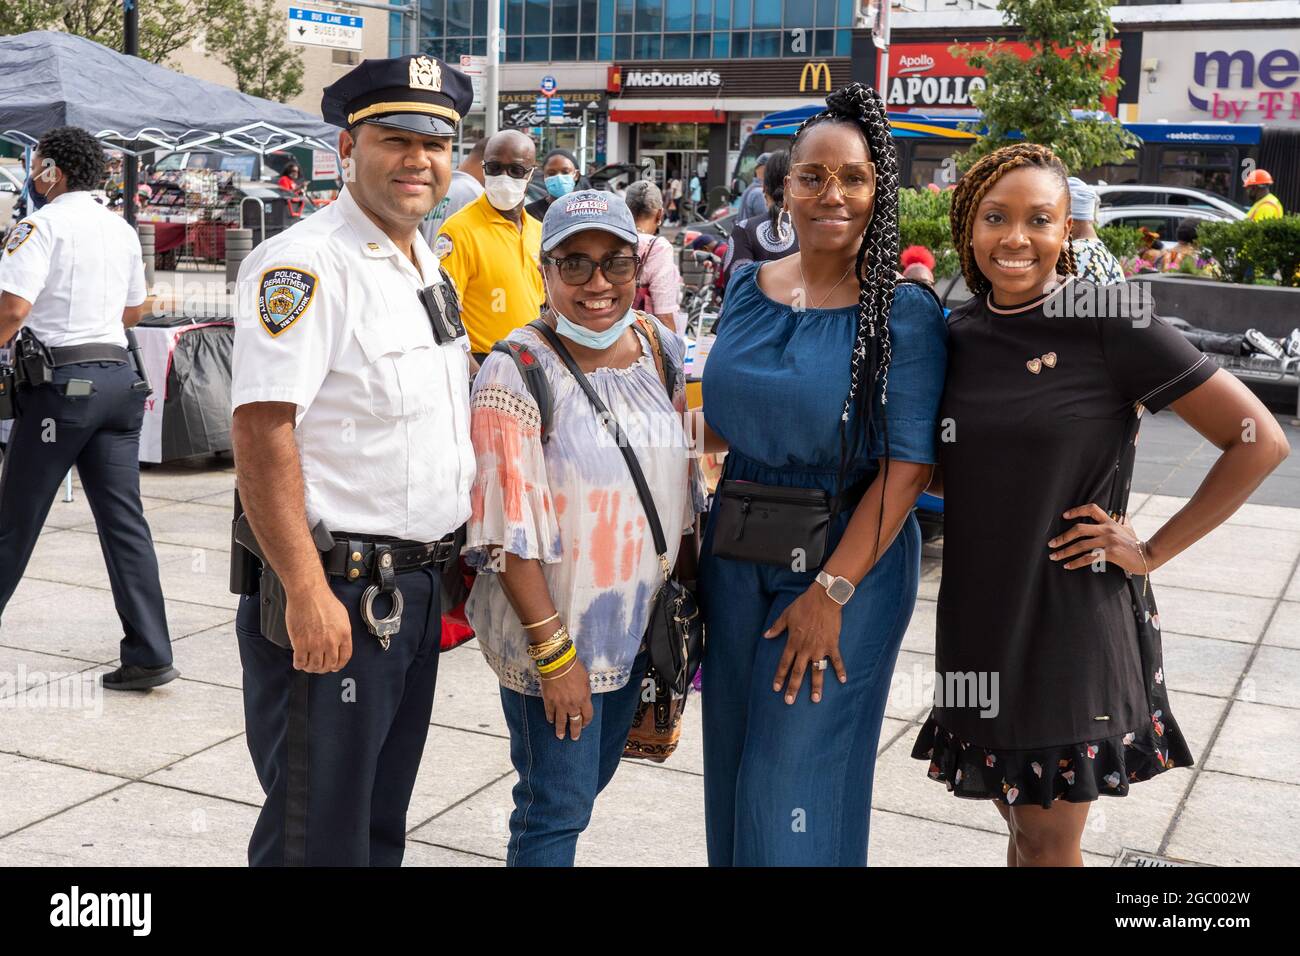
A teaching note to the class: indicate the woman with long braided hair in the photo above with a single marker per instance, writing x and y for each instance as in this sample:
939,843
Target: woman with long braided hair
1050,688
769,236
824,384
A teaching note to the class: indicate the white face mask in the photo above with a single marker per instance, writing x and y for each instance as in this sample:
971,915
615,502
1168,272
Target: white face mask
505,192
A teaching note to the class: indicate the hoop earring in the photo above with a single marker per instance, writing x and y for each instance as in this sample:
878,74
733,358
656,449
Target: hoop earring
784,224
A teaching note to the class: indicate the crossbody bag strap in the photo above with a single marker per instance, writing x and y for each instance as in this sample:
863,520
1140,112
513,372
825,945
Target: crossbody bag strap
616,432
667,375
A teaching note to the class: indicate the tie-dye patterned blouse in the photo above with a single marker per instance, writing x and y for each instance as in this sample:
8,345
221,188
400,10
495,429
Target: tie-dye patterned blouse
571,503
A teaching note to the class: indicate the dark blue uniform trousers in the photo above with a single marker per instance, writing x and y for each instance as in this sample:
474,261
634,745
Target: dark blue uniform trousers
100,434
337,753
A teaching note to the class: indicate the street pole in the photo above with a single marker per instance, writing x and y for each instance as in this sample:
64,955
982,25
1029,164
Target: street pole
491,79
882,42
130,170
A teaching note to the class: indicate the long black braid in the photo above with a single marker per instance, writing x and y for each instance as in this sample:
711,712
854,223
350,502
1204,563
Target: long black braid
774,173
877,263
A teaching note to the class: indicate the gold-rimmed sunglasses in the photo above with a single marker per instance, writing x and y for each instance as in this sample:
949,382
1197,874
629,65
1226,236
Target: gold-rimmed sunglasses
809,180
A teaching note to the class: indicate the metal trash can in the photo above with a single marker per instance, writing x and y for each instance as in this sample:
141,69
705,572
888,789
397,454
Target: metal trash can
239,244
146,232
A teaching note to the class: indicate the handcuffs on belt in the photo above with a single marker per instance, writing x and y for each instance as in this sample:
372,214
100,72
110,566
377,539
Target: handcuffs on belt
383,581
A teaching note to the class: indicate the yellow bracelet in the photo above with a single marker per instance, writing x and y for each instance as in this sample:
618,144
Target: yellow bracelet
553,617
566,670
563,659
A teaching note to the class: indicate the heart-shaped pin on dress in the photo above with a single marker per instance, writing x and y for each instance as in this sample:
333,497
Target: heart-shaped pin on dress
1034,365
1050,360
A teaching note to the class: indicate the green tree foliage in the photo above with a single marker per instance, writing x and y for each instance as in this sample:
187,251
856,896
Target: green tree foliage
165,25
1065,71
22,16
250,40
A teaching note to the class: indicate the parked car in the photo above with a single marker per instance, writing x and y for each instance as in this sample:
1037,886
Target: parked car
1131,194
1159,219
13,177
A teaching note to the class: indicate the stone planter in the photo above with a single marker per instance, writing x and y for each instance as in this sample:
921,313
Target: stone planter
1224,306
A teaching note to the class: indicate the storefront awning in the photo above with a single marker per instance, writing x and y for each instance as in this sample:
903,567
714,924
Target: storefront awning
667,116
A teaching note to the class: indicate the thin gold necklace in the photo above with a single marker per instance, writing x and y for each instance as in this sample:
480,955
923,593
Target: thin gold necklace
804,279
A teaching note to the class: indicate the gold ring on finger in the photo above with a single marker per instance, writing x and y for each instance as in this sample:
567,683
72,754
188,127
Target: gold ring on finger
821,665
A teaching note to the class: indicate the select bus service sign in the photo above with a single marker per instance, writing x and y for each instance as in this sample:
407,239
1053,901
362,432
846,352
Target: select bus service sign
318,28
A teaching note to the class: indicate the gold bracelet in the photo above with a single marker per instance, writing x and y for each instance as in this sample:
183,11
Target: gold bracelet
553,617
1146,577
549,646
559,662
566,670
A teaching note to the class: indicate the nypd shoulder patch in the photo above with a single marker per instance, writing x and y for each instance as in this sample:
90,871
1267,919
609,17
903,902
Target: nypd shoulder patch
285,296
22,232
442,246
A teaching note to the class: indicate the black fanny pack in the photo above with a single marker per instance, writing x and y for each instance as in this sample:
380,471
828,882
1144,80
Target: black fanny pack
773,524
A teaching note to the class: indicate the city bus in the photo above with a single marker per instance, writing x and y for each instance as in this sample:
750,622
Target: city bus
1207,156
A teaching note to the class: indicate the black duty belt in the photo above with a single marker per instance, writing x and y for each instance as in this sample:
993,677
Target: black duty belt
76,354
354,556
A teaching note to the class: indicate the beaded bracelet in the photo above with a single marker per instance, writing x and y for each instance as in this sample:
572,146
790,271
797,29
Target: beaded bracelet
551,659
563,659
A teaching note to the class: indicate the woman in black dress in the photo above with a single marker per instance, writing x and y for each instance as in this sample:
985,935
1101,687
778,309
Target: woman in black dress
1050,689
768,237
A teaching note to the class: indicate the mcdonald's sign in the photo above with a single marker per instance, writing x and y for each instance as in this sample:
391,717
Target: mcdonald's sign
720,79
820,74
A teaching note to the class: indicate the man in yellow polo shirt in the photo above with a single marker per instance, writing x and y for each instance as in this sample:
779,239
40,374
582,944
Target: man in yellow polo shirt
1265,204
491,246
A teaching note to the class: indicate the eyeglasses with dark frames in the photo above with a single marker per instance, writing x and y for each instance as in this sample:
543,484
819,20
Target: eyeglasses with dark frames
578,270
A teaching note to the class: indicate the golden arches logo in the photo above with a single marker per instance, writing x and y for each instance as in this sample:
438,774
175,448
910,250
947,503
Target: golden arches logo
820,74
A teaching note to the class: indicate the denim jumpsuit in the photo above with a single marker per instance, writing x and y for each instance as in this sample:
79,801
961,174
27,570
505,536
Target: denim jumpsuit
790,785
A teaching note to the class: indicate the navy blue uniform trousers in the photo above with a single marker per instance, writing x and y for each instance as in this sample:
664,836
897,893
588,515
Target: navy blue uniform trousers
100,434
337,753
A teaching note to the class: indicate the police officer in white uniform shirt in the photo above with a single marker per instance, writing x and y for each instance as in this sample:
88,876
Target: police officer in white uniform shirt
72,280
354,464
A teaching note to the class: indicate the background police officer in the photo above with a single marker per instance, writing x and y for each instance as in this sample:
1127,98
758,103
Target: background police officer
71,276
351,411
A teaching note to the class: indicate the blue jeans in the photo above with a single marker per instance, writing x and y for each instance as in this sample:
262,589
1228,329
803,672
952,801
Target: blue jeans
790,784
559,779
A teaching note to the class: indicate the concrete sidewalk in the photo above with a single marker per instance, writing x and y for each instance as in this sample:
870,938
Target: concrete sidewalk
164,778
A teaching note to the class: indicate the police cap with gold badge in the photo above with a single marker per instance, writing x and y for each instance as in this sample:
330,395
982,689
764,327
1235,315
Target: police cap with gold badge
420,94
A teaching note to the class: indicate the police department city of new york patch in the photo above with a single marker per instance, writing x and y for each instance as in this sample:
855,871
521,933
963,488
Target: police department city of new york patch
285,295
442,246
21,233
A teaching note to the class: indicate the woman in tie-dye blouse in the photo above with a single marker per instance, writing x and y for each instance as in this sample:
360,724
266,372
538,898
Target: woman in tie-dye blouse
558,531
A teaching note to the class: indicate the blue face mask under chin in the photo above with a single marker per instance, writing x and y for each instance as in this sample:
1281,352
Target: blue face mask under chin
561,184
592,340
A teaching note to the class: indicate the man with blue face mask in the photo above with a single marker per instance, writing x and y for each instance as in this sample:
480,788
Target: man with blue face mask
491,247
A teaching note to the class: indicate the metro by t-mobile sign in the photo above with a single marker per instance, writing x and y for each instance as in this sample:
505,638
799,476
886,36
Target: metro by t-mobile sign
1276,70
926,76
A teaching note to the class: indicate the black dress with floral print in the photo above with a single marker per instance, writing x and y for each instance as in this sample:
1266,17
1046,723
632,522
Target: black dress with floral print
1044,403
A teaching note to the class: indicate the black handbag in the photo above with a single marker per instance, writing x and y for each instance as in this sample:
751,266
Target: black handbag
773,524
675,632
